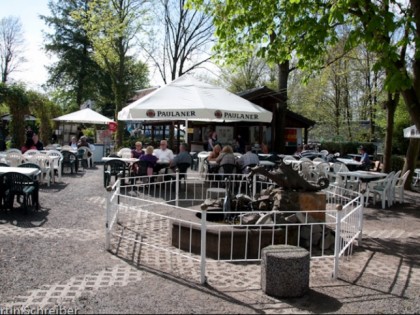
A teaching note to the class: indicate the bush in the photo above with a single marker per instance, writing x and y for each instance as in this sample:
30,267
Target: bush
345,148
397,162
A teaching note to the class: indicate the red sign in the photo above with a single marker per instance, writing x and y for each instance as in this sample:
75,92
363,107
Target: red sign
112,126
290,136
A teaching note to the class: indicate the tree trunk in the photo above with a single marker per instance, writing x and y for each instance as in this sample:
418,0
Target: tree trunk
279,114
411,160
391,106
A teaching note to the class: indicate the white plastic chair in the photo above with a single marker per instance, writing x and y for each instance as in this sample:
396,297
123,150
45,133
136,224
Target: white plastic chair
288,158
13,150
124,153
201,157
392,187
381,188
44,162
56,161
398,188
30,152
352,183
66,148
14,158
305,159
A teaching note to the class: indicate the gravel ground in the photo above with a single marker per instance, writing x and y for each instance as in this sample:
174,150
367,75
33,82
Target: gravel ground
55,258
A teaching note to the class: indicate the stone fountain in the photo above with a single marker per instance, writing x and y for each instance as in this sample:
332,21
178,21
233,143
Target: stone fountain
293,193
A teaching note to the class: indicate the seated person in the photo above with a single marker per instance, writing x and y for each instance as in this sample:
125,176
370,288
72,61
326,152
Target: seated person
183,157
150,158
365,160
83,143
226,157
73,143
39,145
215,153
264,148
249,158
164,155
212,157
298,152
29,145
240,144
137,152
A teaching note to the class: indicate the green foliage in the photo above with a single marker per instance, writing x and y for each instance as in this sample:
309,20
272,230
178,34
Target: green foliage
15,97
89,132
397,162
345,148
75,73
45,110
305,30
111,27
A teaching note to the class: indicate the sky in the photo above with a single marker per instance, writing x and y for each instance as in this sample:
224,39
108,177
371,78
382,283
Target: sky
33,72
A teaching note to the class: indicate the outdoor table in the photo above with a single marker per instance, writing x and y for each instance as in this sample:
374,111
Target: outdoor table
267,164
315,163
358,156
351,164
363,176
126,160
160,165
29,171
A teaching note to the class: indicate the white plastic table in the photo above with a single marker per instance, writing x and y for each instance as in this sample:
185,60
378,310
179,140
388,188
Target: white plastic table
29,171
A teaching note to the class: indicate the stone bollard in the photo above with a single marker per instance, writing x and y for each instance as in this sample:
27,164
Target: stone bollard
284,271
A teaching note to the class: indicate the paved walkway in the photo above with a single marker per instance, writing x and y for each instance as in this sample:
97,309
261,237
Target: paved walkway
56,258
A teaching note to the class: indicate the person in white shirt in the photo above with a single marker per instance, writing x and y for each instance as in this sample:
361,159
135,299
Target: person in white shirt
73,143
164,155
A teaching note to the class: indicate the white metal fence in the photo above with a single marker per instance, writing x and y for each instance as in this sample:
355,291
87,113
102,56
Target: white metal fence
164,214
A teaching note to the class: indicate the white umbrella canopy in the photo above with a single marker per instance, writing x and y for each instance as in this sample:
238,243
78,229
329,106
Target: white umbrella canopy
87,116
411,132
189,99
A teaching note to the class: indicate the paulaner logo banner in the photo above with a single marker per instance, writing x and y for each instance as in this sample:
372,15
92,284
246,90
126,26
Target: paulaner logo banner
192,114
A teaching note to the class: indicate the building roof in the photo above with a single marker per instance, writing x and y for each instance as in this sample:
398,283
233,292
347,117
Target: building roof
267,97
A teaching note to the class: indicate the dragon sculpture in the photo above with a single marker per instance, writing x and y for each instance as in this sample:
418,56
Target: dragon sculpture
289,179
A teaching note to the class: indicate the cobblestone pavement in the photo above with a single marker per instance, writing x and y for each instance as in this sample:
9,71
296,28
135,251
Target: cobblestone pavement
56,258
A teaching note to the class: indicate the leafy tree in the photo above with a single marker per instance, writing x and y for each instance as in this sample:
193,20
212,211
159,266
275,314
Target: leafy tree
14,96
11,46
342,98
45,110
111,26
308,28
76,74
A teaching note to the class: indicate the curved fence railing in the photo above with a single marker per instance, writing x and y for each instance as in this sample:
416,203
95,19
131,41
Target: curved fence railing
204,221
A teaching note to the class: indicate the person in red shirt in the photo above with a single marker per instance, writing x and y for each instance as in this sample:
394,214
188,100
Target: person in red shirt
29,145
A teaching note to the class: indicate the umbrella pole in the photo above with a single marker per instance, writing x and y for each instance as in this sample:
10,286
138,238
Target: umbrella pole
186,131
